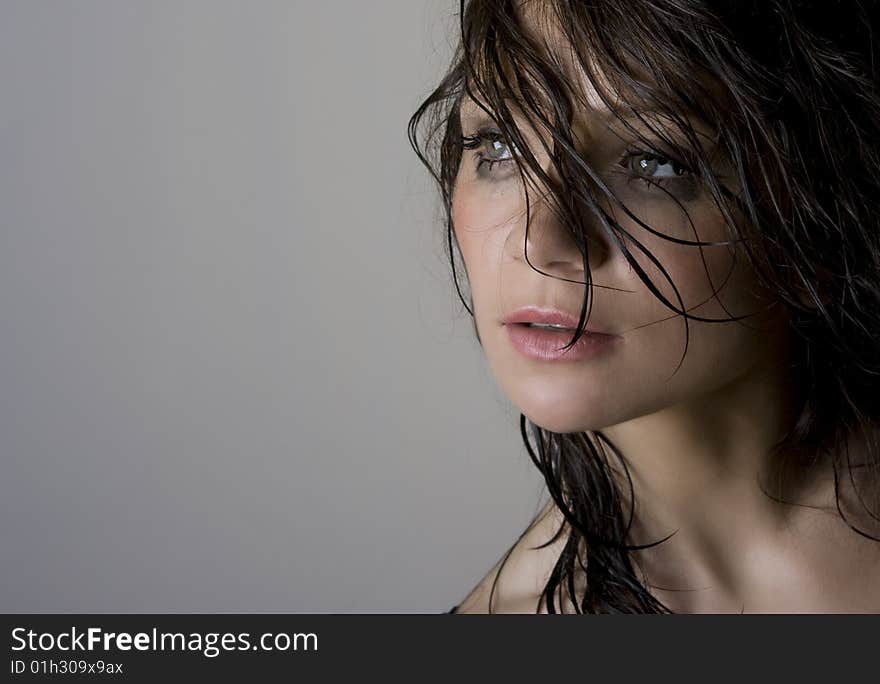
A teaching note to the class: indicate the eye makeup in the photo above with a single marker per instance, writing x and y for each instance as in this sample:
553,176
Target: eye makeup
659,172
492,148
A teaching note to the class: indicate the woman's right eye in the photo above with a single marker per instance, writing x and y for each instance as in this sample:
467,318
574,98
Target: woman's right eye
493,149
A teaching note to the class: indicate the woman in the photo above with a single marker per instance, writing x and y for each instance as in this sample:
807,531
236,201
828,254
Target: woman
667,214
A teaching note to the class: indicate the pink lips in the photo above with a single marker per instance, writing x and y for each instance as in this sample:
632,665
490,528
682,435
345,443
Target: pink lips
534,314
544,344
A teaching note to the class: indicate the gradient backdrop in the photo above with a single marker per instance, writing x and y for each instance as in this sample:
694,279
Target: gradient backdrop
234,372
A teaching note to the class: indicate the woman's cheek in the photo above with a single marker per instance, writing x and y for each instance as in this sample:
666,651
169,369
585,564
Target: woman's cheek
481,215
465,214
695,271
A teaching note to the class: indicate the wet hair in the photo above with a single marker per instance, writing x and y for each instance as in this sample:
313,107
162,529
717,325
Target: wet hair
790,91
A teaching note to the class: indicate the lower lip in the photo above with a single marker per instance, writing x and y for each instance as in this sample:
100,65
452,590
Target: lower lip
542,344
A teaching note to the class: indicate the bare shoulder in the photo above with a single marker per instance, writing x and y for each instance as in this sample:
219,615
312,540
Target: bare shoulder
525,572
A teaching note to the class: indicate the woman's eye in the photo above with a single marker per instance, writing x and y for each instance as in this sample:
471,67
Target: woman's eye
492,149
499,150
652,166
661,173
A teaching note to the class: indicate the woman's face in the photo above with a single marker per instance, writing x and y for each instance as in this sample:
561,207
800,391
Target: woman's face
633,375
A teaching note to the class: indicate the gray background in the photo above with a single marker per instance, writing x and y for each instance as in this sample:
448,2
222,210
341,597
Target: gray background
234,373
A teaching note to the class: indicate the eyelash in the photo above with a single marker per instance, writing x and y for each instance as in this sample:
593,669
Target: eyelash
654,155
476,141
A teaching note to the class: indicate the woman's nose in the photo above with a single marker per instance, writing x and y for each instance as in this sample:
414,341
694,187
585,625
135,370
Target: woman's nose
550,245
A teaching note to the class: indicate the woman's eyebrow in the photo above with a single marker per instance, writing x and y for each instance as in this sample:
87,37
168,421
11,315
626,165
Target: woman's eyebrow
469,108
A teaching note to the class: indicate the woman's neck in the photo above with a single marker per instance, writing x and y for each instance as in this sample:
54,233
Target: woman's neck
701,471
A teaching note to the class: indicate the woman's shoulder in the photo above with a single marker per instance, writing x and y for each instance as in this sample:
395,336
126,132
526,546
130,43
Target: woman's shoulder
525,572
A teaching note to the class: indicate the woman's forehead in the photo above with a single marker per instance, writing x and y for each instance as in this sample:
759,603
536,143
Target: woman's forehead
597,101
583,75
580,74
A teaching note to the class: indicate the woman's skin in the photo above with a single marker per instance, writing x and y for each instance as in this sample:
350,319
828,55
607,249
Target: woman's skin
698,441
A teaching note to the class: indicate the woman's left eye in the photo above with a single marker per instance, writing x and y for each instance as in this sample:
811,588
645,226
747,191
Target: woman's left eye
652,166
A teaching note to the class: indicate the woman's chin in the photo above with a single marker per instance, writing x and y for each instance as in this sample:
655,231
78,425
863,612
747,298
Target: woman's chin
547,405
561,418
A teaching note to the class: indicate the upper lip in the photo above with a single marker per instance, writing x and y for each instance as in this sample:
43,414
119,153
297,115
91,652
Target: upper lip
535,314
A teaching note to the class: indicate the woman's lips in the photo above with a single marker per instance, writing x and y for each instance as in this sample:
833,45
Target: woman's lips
547,316
544,344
